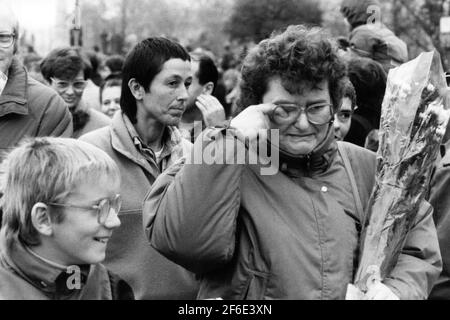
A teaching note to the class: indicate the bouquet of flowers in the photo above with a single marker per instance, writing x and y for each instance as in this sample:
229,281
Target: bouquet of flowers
413,123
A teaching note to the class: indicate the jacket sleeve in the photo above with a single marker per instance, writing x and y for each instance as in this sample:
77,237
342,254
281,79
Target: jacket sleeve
191,211
57,119
420,263
439,199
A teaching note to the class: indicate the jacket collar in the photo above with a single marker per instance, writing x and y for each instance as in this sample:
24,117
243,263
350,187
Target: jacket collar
14,97
45,275
124,139
318,161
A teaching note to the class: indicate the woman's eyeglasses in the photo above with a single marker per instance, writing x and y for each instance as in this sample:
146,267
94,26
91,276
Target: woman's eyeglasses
318,114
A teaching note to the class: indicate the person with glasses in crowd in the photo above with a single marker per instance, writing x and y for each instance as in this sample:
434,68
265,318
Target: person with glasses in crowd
61,203
343,117
294,234
67,70
27,107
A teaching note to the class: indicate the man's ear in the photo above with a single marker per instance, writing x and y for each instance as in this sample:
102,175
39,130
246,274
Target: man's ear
136,89
40,218
208,88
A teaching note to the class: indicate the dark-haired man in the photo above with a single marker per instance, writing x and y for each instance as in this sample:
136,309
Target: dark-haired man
144,140
202,108
27,107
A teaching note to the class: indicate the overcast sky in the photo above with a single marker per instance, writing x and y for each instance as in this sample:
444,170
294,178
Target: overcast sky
34,14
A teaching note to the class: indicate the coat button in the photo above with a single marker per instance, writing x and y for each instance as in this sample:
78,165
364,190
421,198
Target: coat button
324,189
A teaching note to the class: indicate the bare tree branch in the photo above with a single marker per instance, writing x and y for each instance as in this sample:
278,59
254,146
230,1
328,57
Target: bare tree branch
423,24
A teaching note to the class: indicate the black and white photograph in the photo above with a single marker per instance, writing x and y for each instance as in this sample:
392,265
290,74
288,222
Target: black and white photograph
224,155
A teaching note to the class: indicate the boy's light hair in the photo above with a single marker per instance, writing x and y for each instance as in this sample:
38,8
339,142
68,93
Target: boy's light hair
46,170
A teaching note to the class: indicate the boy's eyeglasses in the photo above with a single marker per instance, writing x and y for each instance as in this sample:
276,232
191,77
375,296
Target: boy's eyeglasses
103,208
64,85
318,114
6,40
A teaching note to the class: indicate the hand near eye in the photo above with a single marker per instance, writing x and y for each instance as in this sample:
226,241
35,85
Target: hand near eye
211,109
254,120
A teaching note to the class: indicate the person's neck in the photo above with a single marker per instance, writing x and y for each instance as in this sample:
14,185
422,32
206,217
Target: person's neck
191,115
49,255
150,131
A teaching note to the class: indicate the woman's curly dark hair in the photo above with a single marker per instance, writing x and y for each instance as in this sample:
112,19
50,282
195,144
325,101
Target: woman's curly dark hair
299,56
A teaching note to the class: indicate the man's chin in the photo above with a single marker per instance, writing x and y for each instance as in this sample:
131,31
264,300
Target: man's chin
174,122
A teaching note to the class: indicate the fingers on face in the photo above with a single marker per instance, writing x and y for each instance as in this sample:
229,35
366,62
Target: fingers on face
266,108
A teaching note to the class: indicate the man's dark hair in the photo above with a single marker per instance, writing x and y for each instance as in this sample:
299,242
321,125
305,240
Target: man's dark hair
349,92
115,63
207,70
66,64
143,63
369,80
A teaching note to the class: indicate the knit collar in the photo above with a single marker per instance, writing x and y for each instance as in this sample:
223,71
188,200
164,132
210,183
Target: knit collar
318,161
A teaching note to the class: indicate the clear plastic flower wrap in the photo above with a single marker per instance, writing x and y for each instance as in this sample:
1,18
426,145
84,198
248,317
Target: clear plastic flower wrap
413,122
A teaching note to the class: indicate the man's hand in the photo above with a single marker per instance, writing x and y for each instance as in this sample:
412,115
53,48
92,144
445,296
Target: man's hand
254,120
211,109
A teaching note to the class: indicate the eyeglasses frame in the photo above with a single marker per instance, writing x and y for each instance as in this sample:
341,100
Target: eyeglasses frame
303,110
71,83
96,207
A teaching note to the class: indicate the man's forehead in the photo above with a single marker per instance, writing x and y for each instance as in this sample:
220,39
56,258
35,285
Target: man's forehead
175,67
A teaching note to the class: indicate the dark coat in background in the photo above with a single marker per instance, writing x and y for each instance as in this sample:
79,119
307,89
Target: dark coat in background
30,109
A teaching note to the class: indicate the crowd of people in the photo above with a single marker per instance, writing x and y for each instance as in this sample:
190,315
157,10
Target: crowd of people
102,196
